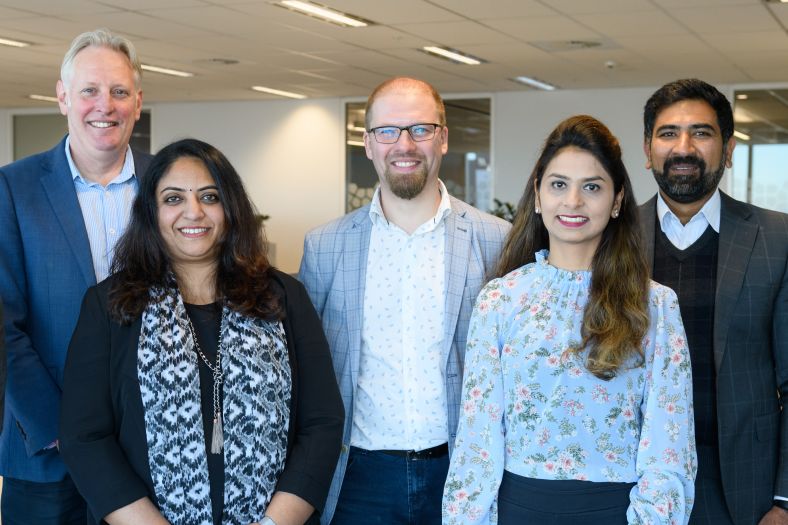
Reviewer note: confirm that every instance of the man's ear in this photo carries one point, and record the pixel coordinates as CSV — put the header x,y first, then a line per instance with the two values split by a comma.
x,y
729,147
62,97
647,151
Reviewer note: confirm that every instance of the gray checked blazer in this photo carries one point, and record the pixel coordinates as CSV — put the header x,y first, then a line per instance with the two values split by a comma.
x,y
750,353
333,270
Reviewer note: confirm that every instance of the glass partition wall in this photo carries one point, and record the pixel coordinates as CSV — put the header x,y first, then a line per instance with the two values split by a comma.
x,y
760,160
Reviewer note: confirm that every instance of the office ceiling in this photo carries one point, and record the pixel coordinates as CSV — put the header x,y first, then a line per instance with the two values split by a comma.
x,y
231,45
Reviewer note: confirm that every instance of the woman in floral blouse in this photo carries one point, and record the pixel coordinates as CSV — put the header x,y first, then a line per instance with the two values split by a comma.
x,y
577,396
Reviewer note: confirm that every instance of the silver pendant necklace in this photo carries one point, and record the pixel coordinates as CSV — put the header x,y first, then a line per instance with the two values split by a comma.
x,y
217,436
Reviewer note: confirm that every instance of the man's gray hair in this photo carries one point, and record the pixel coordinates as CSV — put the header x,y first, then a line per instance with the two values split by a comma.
x,y
100,38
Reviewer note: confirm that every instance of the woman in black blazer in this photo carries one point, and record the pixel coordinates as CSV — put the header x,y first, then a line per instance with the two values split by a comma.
x,y
198,387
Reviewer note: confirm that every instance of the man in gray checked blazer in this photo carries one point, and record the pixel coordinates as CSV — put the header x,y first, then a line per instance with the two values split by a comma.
x,y
728,263
394,283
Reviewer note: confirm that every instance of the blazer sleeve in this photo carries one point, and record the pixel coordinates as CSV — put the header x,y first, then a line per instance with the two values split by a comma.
x,y
88,434
317,436
33,394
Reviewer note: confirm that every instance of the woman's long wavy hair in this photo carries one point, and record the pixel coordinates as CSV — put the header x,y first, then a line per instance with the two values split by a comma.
x,y
141,261
616,317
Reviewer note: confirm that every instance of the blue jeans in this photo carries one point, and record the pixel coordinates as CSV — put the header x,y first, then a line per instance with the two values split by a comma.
x,y
33,503
390,490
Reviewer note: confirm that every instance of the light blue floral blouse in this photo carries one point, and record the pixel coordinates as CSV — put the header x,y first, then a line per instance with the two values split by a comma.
x,y
531,407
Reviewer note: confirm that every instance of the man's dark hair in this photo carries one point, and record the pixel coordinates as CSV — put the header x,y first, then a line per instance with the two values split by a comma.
x,y
688,89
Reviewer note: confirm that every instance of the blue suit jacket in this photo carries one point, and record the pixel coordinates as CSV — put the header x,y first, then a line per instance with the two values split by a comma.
x,y
334,272
750,353
45,268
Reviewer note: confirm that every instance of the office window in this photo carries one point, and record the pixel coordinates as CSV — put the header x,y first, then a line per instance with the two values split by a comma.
x,y
760,160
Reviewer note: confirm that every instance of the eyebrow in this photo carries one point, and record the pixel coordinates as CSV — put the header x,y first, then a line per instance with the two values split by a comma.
x,y
701,125
586,179
173,188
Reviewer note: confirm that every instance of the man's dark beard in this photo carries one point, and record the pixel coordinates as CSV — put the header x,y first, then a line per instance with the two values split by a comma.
x,y
688,188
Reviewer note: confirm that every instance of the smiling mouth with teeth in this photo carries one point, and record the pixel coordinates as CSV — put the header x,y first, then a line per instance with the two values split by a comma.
x,y
193,231
576,220
405,164
103,124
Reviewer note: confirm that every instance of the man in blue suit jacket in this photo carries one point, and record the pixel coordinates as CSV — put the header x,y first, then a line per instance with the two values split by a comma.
x,y
61,213
394,283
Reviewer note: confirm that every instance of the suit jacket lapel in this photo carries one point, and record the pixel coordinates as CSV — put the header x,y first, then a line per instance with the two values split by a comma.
x,y
457,254
737,237
354,262
648,220
58,186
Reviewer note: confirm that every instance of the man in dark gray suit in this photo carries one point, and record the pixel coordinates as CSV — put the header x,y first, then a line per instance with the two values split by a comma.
x,y
728,263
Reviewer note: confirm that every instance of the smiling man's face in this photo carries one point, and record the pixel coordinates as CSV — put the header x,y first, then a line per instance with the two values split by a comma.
x,y
406,167
101,101
686,152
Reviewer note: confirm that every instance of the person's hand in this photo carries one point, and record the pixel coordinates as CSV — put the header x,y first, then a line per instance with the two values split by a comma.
x,y
776,516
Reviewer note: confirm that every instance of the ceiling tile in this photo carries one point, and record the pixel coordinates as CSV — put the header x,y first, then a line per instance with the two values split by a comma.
x,y
456,33
726,19
542,28
644,23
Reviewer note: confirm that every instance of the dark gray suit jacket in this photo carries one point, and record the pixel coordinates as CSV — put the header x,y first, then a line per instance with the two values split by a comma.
x,y
750,353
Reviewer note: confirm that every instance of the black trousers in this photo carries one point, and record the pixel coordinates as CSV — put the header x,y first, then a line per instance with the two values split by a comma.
x,y
32,503
524,500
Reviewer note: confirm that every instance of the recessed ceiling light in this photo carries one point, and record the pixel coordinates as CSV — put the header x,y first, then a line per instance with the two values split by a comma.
x,y
279,92
324,13
535,83
740,135
452,55
43,98
742,96
13,43
166,71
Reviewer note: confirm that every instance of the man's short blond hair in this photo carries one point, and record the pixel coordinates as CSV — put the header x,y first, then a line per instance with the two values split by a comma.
x,y
100,38
405,83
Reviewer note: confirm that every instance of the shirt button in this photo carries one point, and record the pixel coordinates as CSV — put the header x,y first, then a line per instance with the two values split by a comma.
x,y
112,231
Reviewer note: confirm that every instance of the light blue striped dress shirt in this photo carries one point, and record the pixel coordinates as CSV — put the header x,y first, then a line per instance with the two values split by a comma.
x,y
105,210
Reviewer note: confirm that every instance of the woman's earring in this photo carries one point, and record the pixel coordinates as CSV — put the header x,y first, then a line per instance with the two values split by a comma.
x,y
615,214
537,210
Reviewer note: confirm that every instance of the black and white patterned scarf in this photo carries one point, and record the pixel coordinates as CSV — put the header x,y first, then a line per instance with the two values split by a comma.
x,y
255,411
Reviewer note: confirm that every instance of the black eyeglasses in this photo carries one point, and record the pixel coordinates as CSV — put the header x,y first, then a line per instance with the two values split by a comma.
x,y
417,132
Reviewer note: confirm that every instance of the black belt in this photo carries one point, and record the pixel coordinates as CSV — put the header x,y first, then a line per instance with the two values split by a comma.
x,y
427,453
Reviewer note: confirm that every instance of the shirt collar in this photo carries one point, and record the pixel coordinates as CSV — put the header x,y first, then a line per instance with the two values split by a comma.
x,y
710,211
126,172
444,208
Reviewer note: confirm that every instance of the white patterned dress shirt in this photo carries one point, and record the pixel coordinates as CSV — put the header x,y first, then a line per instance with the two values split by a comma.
x,y
400,400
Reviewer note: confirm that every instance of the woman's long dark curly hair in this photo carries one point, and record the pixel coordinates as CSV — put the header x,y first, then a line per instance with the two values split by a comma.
x,y
616,317
141,261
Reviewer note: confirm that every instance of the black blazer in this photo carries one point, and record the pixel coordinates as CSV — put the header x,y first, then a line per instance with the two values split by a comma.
x,y
750,353
102,427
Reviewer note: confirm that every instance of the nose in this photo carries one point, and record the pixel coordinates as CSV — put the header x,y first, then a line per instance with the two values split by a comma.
x,y
684,144
104,102
193,208
573,197
405,141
